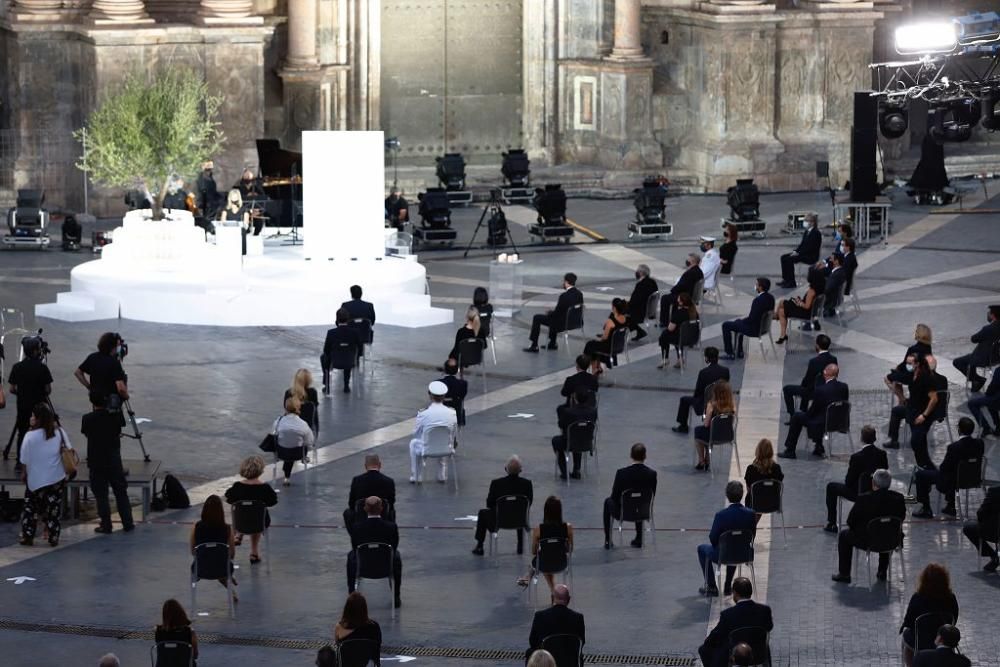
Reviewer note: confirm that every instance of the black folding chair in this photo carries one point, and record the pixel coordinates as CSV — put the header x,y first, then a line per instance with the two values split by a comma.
x,y
374,560
722,431
688,336
171,654
574,321
357,653
735,550
581,436
344,356
211,561
969,475
637,507
765,496
837,420
486,332
566,649
619,345
553,557
512,513
470,353
925,629
250,518
864,486
367,334
653,307
884,536
757,638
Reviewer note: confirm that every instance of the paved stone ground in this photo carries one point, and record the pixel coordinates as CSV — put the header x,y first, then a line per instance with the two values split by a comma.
x,y
211,392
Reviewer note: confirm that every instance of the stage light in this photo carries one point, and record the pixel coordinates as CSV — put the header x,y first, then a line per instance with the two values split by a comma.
x,y
393,144
953,121
991,111
926,38
744,200
551,205
27,221
893,119
516,168
650,202
435,209
979,29
451,171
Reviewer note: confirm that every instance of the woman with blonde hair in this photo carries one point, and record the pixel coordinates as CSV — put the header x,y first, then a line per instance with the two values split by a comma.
x,y
720,402
302,389
252,488
293,436
469,330
764,467
901,375
235,213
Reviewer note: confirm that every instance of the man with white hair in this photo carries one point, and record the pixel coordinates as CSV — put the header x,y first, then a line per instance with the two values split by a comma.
x,y
511,484
435,414
882,501
109,660
638,303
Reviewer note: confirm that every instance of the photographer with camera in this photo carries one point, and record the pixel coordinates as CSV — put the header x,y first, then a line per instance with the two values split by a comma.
x,y
104,458
102,371
31,382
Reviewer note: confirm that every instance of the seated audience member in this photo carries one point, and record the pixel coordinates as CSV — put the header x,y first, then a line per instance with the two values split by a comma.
x,y
555,320
355,624
541,658
799,308
720,402
990,400
862,465
850,263
727,251
175,626
303,390
358,308
552,526
933,596
814,419
762,304
710,261
711,373
511,484
458,389
582,408
763,468
212,528
745,613
558,619
685,311
918,409
634,477
742,656
807,251
844,233
370,483
945,652
109,660
882,501
252,488
812,377
638,303
986,527
342,333
685,285
582,378
985,340
945,477
435,414
326,657
836,282
733,517
293,436
373,528
600,349
900,375
481,302
468,330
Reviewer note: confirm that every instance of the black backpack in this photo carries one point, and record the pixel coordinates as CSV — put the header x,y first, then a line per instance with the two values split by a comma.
x,y
171,496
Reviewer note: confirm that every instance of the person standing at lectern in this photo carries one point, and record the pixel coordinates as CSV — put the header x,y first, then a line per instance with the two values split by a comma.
x,y
236,213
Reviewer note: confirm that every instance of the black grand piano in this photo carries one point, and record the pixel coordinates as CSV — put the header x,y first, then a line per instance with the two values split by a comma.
x,y
281,180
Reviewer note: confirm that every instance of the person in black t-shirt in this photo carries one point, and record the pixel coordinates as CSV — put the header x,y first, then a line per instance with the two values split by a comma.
x,y
101,372
104,458
31,382
919,408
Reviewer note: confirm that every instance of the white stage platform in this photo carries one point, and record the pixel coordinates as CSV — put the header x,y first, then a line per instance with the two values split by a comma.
x,y
166,272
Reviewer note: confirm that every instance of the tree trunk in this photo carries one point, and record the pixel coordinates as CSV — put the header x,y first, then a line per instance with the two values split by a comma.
x,y
156,206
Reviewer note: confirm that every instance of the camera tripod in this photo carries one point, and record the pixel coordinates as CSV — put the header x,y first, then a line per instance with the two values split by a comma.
x,y
136,434
492,209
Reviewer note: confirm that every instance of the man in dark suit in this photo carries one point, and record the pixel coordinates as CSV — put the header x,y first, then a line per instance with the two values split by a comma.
x,y
734,517
806,253
685,285
511,484
863,464
373,528
342,333
555,319
371,483
984,339
558,619
357,308
457,390
814,419
745,613
644,288
991,401
635,477
712,372
582,408
749,325
946,475
583,378
945,652
985,525
835,284
882,501
812,377
850,264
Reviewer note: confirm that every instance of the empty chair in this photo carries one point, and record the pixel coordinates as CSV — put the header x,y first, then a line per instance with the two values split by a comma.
x,y
637,507
697,293
716,294
512,513
470,353
374,560
439,443
884,536
765,497
940,413
837,420
566,649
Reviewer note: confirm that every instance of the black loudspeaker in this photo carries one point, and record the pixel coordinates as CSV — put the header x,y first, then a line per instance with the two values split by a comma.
x,y
822,169
864,135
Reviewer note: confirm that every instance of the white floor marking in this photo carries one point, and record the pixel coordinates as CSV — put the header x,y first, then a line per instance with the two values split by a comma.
x,y
894,287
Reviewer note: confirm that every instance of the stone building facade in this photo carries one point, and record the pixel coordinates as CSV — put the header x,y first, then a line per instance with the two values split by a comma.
x,y
702,90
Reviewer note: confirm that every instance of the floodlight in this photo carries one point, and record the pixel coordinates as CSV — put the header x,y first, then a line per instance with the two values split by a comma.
x,y
893,119
650,202
550,204
926,38
954,120
516,168
744,200
435,209
451,171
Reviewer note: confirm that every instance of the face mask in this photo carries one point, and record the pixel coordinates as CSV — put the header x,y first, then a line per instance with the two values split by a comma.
x,y
909,368
687,263
638,276
837,236
703,248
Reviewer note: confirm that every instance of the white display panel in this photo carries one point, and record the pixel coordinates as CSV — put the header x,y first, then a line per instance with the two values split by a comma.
x,y
343,193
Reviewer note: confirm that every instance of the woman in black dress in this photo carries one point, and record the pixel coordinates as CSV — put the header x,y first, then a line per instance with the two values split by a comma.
x,y
302,389
176,627
800,308
684,311
469,330
355,624
764,467
933,596
236,212
727,251
481,302
252,488
213,528
600,348
552,526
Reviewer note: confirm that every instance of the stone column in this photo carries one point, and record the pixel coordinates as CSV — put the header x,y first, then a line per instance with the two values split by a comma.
x,y
115,12
628,32
302,16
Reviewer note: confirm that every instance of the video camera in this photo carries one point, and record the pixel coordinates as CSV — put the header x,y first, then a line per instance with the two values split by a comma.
x,y
120,345
34,345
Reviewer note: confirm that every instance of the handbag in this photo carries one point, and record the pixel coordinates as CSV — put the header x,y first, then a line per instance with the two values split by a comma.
x,y
270,441
70,459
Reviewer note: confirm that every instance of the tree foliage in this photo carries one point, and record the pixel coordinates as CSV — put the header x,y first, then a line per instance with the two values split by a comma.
x,y
155,126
